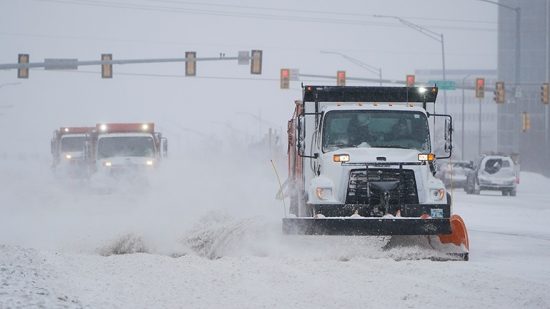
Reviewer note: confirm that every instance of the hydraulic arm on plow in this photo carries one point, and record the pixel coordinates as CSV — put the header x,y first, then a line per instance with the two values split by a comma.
x,y
361,163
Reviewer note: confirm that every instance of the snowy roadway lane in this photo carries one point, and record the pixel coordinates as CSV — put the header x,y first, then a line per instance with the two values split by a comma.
x,y
61,257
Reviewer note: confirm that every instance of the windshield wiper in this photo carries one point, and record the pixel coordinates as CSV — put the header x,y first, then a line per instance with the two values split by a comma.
x,y
340,146
391,146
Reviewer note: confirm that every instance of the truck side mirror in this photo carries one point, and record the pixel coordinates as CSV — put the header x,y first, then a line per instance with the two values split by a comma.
x,y
52,147
87,149
300,143
448,135
446,146
164,147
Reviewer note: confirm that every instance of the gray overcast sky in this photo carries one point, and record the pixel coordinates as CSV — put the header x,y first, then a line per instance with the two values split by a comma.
x,y
291,34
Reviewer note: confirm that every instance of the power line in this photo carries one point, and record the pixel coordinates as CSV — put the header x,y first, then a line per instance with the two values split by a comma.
x,y
315,11
307,78
173,75
262,16
286,48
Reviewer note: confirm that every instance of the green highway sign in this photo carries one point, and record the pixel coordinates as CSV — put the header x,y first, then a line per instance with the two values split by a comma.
x,y
444,84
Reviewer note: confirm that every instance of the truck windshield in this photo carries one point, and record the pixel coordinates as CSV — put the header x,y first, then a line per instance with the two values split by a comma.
x,y
72,143
382,129
125,146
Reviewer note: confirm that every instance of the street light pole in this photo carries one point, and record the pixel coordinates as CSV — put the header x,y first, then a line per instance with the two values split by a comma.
x,y
434,36
358,62
479,131
547,115
463,114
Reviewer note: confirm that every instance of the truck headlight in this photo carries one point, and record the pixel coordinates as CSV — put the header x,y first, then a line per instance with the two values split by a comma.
x,y
107,163
149,162
340,158
323,193
437,194
68,156
426,157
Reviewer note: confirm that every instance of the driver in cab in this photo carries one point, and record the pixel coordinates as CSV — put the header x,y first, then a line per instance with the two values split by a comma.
x,y
400,130
360,133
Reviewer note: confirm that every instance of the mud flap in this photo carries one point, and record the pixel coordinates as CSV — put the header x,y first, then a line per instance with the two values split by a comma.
x,y
366,226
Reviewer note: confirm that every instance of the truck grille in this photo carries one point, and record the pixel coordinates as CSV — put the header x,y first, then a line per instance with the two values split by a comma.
x,y
360,193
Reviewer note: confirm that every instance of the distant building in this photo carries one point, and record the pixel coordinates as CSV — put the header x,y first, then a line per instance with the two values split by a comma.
x,y
533,145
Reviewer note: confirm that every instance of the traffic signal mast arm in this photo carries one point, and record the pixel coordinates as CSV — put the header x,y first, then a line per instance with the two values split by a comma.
x,y
45,64
23,65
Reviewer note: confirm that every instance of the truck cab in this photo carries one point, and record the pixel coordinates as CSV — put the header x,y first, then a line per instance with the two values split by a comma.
x,y
125,148
351,136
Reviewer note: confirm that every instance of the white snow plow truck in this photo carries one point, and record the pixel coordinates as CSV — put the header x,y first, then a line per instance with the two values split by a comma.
x,y
124,148
361,163
67,148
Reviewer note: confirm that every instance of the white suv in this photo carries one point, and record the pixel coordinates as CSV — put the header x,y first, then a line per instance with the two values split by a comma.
x,y
493,172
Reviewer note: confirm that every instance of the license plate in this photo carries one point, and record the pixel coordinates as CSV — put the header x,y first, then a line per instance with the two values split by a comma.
x,y
436,213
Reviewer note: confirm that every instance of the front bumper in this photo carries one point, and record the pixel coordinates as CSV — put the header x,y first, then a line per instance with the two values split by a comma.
x,y
365,210
366,226
497,185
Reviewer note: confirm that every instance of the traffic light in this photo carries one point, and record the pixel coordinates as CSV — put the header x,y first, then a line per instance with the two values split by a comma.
x,y
285,78
525,122
410,80
499,92
106,68
545,93
23,72
256,63
190,63
480,88
341,78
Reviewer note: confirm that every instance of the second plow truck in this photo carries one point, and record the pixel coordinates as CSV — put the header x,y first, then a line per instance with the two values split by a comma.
x,y
119,149
67,147
361,163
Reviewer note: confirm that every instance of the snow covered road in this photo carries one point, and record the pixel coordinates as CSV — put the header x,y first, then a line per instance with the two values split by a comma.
x,y
227,251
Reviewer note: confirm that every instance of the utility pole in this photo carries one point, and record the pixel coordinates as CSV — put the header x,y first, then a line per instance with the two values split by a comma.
x,y
463,115
547,115
479,130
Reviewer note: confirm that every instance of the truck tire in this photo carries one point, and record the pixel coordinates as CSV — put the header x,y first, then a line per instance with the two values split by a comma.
x,y
304,210
476,189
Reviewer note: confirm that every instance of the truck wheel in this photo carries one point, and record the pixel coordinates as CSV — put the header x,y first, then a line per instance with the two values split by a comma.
x,y
468,188
293,205
513,192
306,210
505,192
477,189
